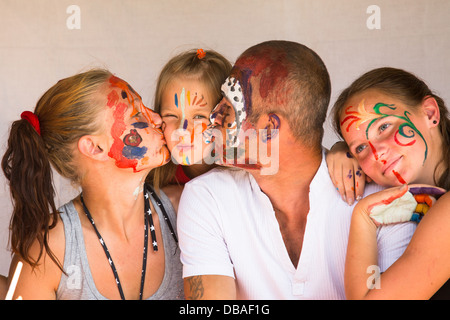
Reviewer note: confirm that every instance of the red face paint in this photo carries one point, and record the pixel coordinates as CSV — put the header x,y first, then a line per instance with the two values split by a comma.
x,y
399,177
119,126
374,151
402,144
375,154
113,97
129,93
117,129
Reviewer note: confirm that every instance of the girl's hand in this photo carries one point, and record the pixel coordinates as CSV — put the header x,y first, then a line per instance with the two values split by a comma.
x,y
399,204
345,172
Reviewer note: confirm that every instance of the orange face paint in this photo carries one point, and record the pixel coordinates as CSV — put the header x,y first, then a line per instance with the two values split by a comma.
x,y
129,93
120,102
117,129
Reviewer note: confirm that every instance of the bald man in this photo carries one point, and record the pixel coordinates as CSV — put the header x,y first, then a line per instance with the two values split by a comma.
x,y
276,227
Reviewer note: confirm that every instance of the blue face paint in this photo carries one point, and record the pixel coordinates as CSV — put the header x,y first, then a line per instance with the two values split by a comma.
x,y
132,141
140,125
131,152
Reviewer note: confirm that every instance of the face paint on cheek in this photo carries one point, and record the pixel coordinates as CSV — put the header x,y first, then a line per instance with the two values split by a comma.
x,y
361,115
113,97
374,151
128,93
117,148
232,90
401,132
140,125
132,139
126,152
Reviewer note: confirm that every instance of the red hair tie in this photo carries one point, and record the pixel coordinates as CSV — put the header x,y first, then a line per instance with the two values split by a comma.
x,y
200,53
32,119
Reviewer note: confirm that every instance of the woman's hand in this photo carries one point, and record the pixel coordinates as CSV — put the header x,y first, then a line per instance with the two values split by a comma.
x,y
345,172
399,204
424,266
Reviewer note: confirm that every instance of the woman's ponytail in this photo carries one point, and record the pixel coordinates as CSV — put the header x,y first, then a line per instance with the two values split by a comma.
x,y
27,168
46,140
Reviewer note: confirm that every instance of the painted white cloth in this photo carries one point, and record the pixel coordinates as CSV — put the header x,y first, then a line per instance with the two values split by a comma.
x,y
227,226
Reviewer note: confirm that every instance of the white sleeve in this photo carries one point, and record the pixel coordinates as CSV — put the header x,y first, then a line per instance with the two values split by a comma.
x,y
392,241
199,222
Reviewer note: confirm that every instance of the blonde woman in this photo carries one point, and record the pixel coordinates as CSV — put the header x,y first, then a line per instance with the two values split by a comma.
x,y
116,240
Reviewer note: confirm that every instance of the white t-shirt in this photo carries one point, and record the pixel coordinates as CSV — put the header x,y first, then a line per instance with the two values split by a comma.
x,y
227,226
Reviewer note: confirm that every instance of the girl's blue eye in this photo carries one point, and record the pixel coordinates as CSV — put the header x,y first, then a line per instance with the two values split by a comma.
x,y
360,148
384,126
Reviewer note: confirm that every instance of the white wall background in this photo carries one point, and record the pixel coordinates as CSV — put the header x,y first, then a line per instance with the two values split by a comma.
x,y
134,38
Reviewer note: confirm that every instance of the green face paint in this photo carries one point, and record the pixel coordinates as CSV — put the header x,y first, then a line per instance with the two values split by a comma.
x,y
361,115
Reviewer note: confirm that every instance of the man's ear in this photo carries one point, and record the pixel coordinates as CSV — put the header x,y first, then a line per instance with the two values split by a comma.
x,y
93,147
272,126
431,109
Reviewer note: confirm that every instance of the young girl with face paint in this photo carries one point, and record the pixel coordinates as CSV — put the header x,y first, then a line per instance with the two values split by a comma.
x,y
399,132
116,240
188,88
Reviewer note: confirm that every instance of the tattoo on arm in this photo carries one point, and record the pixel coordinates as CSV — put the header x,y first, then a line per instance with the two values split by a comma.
x,y
195,287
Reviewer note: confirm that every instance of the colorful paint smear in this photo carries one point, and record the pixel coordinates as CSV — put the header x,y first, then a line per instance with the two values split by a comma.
x,y
361,115
269,68
129,93
183,101
399,177
126,151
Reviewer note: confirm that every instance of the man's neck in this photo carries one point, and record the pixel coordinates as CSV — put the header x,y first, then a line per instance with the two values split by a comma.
x,y
288,189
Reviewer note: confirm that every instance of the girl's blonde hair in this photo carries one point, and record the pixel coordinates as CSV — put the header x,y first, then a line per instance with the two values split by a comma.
x,y
211,68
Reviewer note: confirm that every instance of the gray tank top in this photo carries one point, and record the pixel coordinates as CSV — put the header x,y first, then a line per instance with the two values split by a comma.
x,y
78,284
